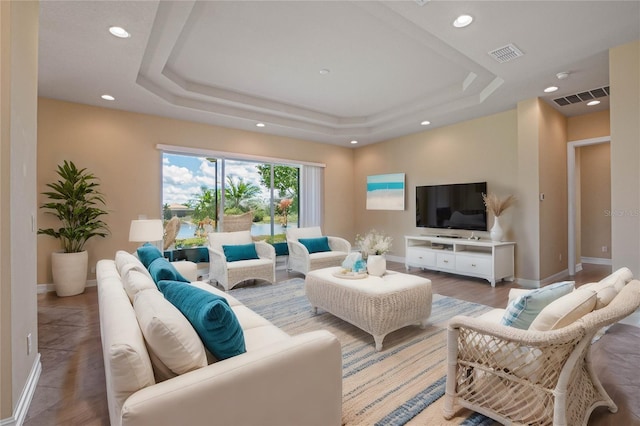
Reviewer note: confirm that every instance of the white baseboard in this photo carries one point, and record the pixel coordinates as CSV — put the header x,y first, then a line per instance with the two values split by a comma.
x,y
539,283
45,288
596,260
26,396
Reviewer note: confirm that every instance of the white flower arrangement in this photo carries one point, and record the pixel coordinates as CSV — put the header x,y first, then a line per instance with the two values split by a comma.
x,y
373,243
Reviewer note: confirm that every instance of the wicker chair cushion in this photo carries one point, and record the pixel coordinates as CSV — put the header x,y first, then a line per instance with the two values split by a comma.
x,y
521,312
605,290
618,278
315,245
238,252
564,310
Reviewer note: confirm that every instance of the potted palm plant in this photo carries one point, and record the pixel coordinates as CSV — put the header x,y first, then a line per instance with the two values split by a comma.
x,y
75,200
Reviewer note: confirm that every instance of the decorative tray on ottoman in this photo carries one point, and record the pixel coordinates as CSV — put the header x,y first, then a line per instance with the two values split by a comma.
x,y
349,275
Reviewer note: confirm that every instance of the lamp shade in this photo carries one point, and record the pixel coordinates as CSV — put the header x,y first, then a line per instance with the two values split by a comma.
x,y
146,230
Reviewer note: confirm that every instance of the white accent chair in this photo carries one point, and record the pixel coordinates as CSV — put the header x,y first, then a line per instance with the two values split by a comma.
x,y
229,274
517,376
301,260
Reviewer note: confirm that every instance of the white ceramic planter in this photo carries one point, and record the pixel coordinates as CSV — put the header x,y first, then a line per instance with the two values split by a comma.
x,y
69,272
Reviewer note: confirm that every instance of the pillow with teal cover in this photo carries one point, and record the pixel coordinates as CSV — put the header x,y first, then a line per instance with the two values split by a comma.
x,y
521,312
210,315
147,253
161,269
315,245
233,253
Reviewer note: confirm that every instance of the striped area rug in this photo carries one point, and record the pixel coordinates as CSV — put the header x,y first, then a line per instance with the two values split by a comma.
x,y
402,384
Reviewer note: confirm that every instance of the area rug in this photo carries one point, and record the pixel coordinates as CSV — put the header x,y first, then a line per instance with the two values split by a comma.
x,y
402,384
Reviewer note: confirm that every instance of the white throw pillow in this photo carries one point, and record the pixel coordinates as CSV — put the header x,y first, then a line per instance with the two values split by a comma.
x,y
125,261
135,281
127,361
564,310
168,333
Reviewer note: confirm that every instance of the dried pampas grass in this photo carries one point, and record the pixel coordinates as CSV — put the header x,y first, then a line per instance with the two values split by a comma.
x,y
497,205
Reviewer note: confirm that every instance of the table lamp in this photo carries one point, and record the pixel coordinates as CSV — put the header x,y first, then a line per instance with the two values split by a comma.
x,y
146,230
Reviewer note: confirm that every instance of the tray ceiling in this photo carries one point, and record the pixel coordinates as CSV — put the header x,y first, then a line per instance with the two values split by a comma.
x,y
327,71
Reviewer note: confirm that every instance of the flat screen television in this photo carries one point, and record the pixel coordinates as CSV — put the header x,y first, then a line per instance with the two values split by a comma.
x,y
452,206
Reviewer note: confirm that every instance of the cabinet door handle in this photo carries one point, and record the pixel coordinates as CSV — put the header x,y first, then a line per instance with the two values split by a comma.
x,y
473,264
446,261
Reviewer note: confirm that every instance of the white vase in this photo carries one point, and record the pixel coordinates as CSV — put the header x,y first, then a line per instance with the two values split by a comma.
x,y
497,234
376,265
69,272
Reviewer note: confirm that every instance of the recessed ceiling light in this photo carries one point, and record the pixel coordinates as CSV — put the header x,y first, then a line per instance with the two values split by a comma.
x,y
260,125
592,103
325,71
550,89
354,142
119,32
462,21
108,98
425,123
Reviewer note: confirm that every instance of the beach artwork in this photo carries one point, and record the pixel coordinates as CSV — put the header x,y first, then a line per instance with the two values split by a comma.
x,y
385,192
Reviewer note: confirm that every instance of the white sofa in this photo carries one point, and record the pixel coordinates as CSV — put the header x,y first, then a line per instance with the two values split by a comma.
x,y
279,380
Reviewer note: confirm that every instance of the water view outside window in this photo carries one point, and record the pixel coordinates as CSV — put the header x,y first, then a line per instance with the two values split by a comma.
x,y
203,194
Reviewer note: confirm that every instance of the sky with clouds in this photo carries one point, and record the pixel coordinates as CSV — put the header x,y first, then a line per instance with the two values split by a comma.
x,y
183,175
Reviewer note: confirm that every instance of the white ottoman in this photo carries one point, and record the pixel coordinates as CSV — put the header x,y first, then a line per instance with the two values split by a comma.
x,y
377,305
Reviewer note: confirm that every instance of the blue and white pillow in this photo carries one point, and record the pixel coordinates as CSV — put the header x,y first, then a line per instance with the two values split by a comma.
x,y
521,312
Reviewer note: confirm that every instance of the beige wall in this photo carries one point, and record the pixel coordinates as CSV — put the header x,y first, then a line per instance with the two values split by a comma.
x,y
624,72
528,208
18,118
484,149
552,171
588,126
595,193
120,148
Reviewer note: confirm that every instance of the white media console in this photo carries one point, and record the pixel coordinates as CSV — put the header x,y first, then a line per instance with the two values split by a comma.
x,y
486,259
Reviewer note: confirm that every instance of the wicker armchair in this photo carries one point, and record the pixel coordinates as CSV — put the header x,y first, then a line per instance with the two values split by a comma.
x,y
229,274
530,377
302,261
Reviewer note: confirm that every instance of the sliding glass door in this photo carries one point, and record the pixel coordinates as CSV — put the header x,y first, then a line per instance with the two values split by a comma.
x,y
206,194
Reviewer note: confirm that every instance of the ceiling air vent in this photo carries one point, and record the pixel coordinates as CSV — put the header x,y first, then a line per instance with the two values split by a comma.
x,y
506,53
582,96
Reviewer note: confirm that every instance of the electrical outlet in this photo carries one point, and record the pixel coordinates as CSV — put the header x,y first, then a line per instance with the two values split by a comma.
x,y
29,344
605,249
560,257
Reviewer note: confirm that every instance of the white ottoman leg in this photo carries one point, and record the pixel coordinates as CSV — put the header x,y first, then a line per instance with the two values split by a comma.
x,y
378,339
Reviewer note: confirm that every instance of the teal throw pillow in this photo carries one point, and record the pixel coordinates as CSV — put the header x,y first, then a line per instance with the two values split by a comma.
x,y
161,269
147,253
521,312
233,253
210,315
315,245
